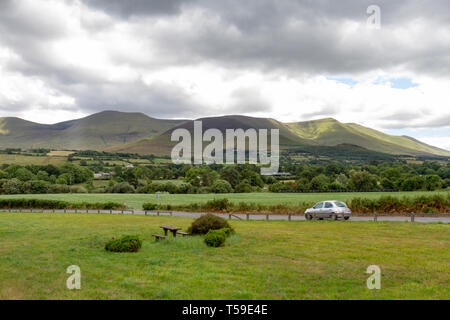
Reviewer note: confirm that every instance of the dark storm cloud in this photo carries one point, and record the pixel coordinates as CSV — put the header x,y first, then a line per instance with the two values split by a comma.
x,y
128,8
289,37
307,36
158,100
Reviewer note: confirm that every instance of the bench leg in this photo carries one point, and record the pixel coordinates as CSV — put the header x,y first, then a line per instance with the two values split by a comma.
x,y
165,232
174,234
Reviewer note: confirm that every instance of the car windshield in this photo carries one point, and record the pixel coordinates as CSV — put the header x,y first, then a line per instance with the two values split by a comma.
x,y
340,204
318,205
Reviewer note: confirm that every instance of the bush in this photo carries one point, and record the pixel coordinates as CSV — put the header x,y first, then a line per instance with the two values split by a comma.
x,y
206,223
221,186
215,238
226,231
55,204
129,243
149,206
218,205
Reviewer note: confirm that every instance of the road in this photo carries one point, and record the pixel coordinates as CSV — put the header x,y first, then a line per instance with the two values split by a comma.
x,y
443,219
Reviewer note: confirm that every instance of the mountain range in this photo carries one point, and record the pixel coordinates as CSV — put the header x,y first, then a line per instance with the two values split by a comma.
x,y
115,131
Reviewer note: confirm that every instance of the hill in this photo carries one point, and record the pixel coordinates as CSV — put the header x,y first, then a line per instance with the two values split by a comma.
x,y
138,133
308,135
98,131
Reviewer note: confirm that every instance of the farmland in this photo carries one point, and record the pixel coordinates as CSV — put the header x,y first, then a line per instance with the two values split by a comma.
x,y
283,260
24,160
135,201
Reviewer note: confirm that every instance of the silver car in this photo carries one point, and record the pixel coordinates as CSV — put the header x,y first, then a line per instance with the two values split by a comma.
x,y
331,209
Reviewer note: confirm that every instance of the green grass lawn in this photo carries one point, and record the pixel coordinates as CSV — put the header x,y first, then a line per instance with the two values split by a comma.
x,y
263,260
135,201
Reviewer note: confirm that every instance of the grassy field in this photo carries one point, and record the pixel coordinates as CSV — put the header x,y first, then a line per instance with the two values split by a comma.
x,y
60,153
283,260
23,160
135,201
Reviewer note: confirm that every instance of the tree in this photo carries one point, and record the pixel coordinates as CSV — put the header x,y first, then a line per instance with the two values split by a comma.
x,y
24,175
432,182
231,175
243,187
42,175
362,180
221,186
12,186
319,183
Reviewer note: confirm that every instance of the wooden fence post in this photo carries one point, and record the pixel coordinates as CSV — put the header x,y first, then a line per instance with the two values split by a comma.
x,y
412,217
289,216
248,216
157,213
229,216
375,217
267,217
145,212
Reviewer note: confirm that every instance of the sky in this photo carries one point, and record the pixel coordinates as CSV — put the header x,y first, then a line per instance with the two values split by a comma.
x,y
292,60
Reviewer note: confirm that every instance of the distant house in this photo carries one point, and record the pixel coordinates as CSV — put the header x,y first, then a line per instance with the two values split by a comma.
x,y
129,166
100,175
279,174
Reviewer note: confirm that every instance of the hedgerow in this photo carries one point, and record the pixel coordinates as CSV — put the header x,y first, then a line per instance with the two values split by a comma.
x,y
56,204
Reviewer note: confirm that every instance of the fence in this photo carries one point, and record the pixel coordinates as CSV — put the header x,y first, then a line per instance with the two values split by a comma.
x,y
237,216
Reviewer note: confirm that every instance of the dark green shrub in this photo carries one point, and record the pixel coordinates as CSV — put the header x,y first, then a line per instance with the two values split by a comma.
x,y
149,206
215,238
221,186
206,223
129,243
55,204
226,231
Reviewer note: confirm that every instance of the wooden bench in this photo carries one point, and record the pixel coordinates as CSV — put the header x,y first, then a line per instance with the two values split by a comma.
x,y
174,230
159,236
184,234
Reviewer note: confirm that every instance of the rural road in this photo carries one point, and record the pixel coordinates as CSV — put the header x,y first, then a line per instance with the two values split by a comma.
x,y
241,216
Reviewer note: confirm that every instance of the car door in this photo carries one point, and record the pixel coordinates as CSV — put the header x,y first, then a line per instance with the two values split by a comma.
x,y
317,209
327,209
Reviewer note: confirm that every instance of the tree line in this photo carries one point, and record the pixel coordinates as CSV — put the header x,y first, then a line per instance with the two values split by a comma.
x,y
69,177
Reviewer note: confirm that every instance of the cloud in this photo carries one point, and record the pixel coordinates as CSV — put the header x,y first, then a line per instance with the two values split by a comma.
x,y
126,9
291,60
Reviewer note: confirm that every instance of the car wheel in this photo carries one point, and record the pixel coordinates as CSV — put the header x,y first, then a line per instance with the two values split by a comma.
x,y
308,217
346,218
334,216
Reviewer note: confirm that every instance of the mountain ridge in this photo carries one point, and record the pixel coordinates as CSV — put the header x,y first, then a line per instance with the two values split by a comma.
x,y
136,132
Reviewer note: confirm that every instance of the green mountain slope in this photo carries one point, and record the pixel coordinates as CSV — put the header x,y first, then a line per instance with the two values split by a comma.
x,y
137,133
98,131
318,133
330,132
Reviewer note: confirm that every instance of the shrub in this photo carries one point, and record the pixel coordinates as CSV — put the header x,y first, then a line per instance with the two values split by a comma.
x,y
55,204
221,186
206,223
215,238
218,204
226,231
149,206
129,243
